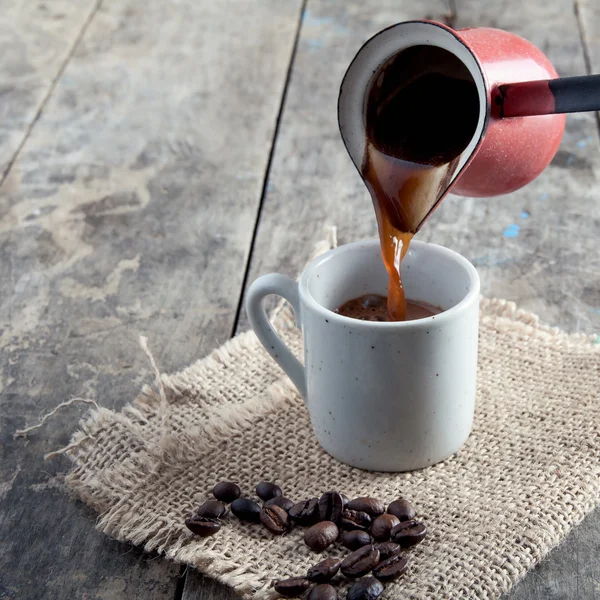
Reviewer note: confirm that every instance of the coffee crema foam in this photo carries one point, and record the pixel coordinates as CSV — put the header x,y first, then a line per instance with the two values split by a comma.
x,y
373,307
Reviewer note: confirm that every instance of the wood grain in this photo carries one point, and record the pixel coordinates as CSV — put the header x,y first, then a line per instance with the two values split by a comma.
x,y
588,16
129,210
589,20
36,40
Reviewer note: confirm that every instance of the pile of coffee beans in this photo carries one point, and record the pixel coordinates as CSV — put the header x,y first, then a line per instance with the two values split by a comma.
x,y
375,534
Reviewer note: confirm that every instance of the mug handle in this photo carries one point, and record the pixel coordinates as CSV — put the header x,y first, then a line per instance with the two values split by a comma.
x,y
286,288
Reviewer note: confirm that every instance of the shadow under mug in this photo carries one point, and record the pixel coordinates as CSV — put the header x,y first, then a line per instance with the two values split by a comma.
x,y
382,396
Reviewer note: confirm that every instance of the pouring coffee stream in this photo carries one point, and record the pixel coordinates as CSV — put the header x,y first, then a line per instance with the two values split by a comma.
x,y
429,117
412,149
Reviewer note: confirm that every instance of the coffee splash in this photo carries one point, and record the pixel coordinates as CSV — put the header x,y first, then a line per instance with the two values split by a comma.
x,y
422,111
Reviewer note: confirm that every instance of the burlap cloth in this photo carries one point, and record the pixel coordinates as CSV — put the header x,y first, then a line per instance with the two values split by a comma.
x,y
529,472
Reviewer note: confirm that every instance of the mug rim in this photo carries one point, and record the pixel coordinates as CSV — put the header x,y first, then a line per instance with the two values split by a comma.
x,y
450,314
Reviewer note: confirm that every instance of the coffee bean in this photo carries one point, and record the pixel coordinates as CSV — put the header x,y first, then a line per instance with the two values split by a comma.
x,y
409,533
355,519
323,591
226,491
285,503
360,562
212,509
305,512
402,509
353,540
321,536
331,505
382,527
391,569
275,519
387,549
246,510
324,571
345,500
367,588
266,490
295,586
202,526
372,506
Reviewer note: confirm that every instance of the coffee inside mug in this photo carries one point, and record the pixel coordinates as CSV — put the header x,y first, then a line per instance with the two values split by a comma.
x,y
441,279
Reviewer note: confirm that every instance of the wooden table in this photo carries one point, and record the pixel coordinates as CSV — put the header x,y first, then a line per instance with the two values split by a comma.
x,y
156,157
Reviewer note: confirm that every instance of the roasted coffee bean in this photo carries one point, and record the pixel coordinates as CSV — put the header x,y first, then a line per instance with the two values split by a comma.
x,y
355,519
331,506
321,535
372,506
285,503
345,500
295,586
360,562
246,510
409,533
226,491
275,519
305,512
266,490
402,509
391,569
202,526
212,509
353,540
323,591
367,588
387,550
382,527
324,571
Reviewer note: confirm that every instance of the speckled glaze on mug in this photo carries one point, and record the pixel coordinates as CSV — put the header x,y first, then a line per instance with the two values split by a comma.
x,y
381,396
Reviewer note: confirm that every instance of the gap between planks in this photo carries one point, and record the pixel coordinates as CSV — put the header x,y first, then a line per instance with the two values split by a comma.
x,y
585,49
51,88
263,193
180,588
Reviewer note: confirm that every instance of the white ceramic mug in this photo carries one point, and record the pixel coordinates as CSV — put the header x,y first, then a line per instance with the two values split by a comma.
x,y
381,396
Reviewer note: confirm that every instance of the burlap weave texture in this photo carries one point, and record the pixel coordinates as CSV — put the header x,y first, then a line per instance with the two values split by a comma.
x,y
529,472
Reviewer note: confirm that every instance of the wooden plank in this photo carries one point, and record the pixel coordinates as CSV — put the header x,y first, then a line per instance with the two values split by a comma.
x,y
551,266
198,587
588,15
589,21
130,210
36,40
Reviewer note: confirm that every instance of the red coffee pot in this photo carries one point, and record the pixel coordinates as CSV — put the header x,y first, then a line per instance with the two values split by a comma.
x,y
514,80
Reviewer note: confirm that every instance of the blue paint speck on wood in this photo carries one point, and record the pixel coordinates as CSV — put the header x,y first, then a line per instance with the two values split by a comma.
x,y
570,160
314,44
512,231
544,196
310,20
524,215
